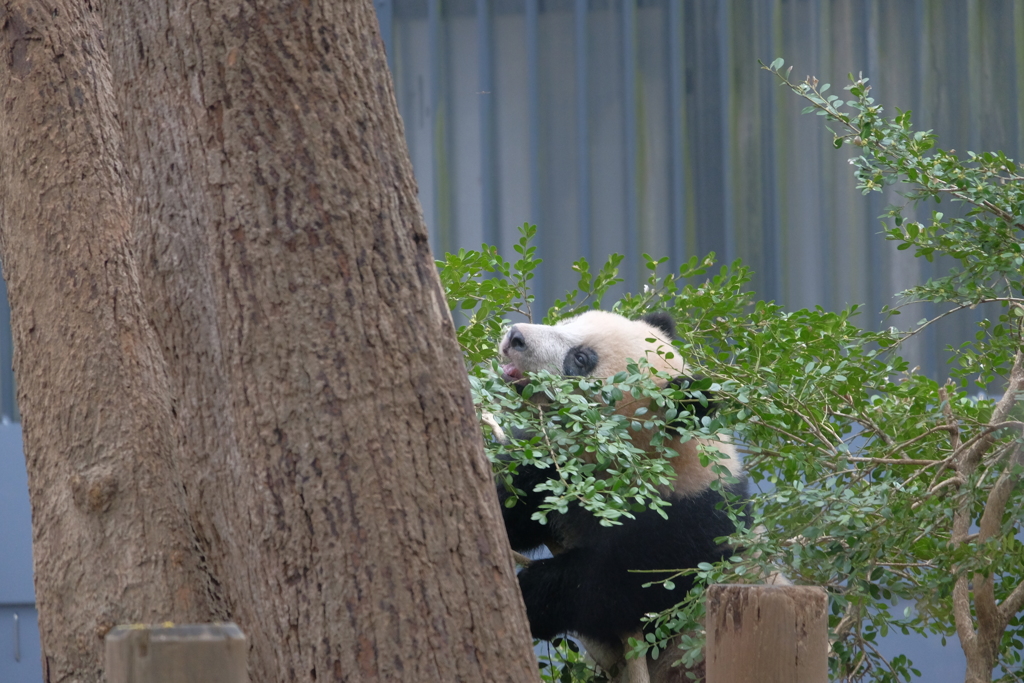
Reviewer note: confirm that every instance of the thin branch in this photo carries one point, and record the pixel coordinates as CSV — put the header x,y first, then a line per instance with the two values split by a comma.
x,y
995,210
888,159
879,655
955,479
797,439
991,525
814,429
1007,672
1013,602
898,461
940,316
947,411
999,413
851,617
969,452
865,422
928,432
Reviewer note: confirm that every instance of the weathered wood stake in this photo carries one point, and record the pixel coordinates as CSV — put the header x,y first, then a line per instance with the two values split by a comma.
x,y
187,653
767,634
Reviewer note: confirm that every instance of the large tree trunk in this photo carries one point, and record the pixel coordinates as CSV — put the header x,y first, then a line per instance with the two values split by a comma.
x,y
110,541
302,456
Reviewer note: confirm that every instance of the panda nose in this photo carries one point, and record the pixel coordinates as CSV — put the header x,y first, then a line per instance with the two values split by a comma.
x,y
516,340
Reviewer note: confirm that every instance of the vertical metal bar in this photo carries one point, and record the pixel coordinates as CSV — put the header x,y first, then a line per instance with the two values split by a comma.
x,y
630,262
766,20
385,18
533,107
728,120
1018,45
932,362
677,75
879,276
441,231
17,638
975,66
488,184
582,129
826,254
533,97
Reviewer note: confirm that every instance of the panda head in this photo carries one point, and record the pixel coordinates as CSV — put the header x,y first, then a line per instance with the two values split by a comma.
x,y
592,344
599,344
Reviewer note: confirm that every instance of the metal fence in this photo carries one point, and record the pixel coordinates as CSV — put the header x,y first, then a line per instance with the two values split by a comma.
x,y
636,126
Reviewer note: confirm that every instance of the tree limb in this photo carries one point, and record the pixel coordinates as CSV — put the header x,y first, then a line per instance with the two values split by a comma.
x,y
1013,603
997,501
990,617
999,413
947,411
962,616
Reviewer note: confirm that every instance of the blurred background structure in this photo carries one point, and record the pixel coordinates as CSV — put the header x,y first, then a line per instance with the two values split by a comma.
x,y
646,126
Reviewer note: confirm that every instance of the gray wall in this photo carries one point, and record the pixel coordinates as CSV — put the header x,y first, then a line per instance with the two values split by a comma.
x,y
19,632
647,126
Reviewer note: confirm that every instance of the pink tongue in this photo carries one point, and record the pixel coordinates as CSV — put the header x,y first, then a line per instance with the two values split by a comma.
x,y
512,371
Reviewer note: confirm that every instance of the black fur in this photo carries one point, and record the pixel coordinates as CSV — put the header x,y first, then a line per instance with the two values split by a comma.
x,y
588,588
699,402
662,321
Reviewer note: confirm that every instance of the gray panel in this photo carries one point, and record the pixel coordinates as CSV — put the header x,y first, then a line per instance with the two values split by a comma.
x,y
636,126
385,14
581,16
512,121
705,74
804,273
464,138
20,654
15,521
558,235
611,182
653,137
486,97
19,628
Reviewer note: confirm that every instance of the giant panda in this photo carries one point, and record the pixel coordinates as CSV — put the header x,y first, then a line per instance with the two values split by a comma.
x,y
587,588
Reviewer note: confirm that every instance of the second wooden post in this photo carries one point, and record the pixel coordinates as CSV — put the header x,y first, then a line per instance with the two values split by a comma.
x,y
767,634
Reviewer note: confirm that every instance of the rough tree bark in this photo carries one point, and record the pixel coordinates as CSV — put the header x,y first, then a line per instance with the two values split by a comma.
x,y
109,533
240,388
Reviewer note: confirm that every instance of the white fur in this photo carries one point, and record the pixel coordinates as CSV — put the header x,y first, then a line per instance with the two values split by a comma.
x,y
617,340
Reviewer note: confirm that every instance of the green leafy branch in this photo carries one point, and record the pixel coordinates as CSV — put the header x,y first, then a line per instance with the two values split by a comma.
x,y
986,239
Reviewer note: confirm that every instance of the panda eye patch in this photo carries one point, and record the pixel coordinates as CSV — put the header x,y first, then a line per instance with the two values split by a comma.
x,y
579,362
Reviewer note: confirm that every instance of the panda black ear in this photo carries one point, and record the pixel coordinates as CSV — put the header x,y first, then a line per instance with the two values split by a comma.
x,y
661,321
699,402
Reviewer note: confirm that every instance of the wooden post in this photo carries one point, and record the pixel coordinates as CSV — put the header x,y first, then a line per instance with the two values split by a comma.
x,y
767,634
187,653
